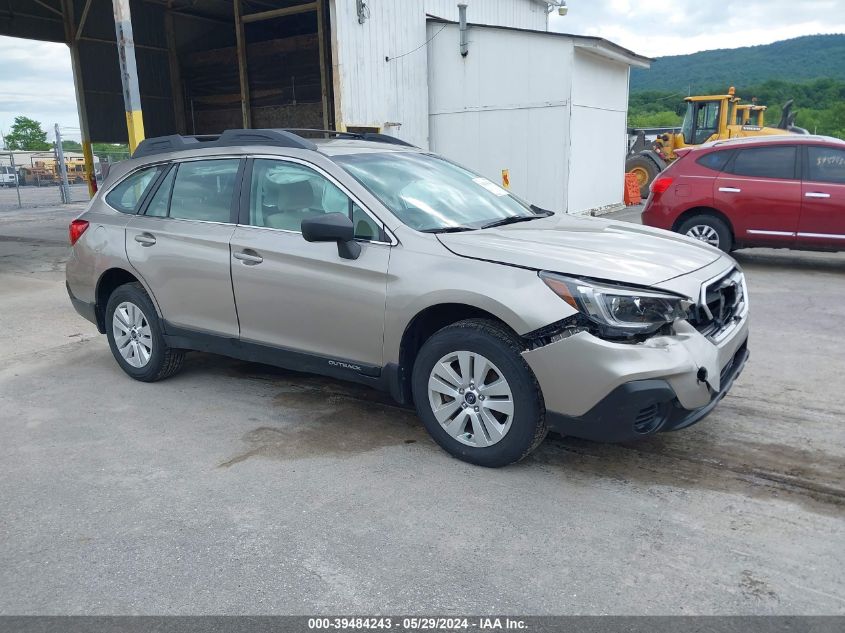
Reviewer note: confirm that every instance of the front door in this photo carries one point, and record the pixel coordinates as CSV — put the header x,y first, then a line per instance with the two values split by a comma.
x,y
822,221
761,194
302,296
180,245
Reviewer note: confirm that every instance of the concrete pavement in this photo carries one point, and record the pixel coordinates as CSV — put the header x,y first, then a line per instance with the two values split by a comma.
x,y
235,488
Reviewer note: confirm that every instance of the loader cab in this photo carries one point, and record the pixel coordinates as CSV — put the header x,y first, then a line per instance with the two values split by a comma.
x,y
750,115
705,117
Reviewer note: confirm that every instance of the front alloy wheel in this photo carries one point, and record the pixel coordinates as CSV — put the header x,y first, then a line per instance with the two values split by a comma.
x,y
471,398
476,395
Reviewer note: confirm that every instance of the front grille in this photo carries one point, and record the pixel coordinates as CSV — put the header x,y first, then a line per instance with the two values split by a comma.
x,y
722,303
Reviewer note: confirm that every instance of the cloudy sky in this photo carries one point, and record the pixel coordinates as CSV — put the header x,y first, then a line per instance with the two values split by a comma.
x,y
674,27
35,77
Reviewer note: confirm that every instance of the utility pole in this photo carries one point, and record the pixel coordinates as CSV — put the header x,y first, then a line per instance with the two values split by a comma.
x,y
128,72
64,187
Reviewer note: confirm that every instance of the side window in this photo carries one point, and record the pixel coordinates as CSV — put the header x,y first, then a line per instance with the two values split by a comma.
x,y
715,160
765,162
826,165
159,202
283,194
203,190
126,196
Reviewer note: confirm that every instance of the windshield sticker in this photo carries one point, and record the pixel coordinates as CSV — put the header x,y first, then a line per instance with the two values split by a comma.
x,y
490,186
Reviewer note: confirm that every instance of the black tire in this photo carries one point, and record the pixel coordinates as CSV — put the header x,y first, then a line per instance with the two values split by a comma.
x,y
643,165
726,241
164,361
498,344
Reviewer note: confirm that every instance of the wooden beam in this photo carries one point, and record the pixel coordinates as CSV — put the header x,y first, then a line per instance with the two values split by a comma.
x,y
48,7
82,19
240,38
280,13
100,40
216,56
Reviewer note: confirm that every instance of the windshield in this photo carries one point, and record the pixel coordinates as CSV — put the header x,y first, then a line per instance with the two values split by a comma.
x,y
431,194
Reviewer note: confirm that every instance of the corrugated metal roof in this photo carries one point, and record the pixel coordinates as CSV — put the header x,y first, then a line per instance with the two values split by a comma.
x,y
634,57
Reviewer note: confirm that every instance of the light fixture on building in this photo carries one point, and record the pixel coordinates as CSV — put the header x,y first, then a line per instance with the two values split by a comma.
x,y
562,9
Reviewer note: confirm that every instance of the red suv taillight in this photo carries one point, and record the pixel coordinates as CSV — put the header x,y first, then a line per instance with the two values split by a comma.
x,y
76,229
661,184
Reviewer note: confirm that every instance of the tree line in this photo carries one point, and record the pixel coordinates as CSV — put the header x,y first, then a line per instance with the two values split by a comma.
x,y
28,134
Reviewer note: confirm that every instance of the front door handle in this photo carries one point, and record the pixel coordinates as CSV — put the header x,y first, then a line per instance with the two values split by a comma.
x,y
816,194
730,190
248,257
145,239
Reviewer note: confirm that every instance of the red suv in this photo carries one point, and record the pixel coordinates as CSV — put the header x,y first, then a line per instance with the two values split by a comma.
x,y
777,191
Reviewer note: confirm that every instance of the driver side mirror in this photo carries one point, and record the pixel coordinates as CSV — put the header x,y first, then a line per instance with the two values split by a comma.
x,y
333,227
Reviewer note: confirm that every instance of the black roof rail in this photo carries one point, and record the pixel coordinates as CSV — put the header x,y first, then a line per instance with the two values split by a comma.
x,y
302,131
229,138
364,136
287,137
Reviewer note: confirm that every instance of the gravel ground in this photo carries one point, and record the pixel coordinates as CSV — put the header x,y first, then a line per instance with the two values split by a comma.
x,y
235,488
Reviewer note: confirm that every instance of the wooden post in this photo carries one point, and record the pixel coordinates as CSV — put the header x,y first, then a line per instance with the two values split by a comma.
x,y
72,35
321,39
175,72
242,68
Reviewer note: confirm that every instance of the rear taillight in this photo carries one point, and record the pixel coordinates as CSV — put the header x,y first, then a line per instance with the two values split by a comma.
x,y
661,184
76,229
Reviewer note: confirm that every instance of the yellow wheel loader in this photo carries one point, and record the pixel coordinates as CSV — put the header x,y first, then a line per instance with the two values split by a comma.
x,y
708,118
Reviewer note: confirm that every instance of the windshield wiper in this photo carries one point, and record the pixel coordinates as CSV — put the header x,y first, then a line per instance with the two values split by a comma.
x,y
450,229
516,218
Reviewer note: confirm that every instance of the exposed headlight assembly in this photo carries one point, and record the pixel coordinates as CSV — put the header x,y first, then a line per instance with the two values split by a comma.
x,y
618,311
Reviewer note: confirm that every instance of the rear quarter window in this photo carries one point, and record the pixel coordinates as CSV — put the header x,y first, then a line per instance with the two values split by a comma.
x,y
126,196
715,160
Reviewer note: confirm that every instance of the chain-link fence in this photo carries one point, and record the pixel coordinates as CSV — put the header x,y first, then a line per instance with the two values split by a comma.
x,y
34,178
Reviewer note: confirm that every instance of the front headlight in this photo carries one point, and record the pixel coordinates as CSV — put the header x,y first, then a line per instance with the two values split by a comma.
x,y
618,310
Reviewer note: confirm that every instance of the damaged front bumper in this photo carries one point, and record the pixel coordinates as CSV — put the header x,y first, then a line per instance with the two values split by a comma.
x,y
615,392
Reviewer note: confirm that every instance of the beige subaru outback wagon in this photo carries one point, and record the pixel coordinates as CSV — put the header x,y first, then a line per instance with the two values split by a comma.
x,y
365,259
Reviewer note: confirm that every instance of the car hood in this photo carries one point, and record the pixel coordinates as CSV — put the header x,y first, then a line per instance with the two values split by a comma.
x,y
586,247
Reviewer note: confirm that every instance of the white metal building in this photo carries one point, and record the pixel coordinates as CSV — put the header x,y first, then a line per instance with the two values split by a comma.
x,y
549,108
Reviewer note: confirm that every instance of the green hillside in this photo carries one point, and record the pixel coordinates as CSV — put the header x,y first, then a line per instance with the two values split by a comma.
x,y
810,70
796,60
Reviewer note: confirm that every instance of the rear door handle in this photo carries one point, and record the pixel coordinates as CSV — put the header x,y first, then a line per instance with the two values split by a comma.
x,y
145,239
730,190
816,194
248,257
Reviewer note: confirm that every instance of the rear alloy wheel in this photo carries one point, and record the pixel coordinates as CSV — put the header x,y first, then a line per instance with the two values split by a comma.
x,y
135,336
708,229
132,335
477,396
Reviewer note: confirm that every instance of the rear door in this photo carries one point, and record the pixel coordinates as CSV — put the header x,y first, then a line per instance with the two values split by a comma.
x,y
822,221
180,245
302,296
760,192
